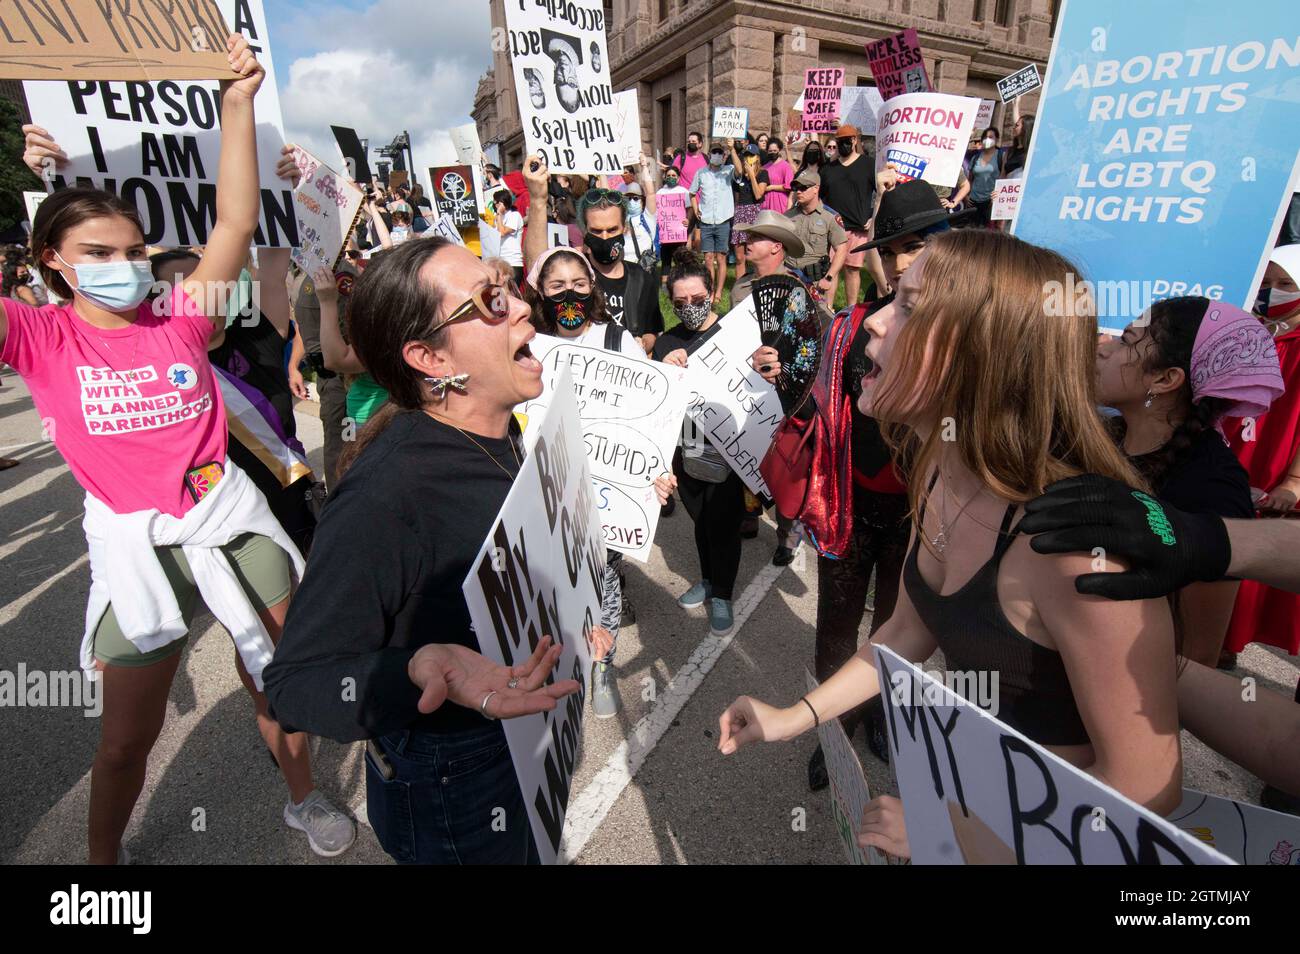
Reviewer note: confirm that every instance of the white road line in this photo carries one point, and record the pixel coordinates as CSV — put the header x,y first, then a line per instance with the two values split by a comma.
x,y
9,612
588,810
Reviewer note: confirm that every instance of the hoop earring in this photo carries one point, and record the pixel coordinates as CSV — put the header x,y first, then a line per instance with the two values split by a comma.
x,y
439,385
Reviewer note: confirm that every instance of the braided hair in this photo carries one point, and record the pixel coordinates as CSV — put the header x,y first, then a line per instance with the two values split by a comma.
x,y
1173,328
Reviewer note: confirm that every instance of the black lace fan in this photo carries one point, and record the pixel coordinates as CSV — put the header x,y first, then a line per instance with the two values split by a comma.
x,y
787,321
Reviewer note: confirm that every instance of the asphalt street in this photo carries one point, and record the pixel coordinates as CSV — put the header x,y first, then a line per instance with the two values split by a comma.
x,y
650,786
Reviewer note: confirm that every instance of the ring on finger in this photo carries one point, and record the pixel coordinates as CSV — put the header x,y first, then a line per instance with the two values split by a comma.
x,y
513,684
483,705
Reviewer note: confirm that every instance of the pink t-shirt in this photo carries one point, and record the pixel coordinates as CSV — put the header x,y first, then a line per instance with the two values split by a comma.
x,y
779,173
687,165
130,409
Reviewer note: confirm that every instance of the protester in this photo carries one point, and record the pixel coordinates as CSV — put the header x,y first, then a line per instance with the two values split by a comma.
x,y
401,228
1173,375
692,161
671,186
641,239
848,187
711,491
1092,681
746,203
1023,131
825,245
16,283
774,194
812,158
714,206
421,488
567,304
168,514
509,225
983,167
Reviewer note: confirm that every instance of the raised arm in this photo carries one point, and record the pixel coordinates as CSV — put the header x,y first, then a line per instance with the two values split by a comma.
x,y
339,356
647,186
238,196
537,178
272,276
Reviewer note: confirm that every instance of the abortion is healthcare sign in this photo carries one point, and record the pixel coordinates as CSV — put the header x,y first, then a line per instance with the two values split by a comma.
x,y
1166,148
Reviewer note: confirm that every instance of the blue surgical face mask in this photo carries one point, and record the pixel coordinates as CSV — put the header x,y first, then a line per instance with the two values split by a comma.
x,y
633,206
113,286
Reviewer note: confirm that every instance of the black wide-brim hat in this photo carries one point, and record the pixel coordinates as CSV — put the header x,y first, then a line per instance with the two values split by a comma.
x,y
910,207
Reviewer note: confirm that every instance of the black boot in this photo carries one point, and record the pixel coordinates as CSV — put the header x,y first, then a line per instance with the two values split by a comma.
x,y
877,731
818,778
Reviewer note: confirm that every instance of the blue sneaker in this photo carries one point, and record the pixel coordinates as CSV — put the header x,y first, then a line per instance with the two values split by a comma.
x,y
696,595
720,618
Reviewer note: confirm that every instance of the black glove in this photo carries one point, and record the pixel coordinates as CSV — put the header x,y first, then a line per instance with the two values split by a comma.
x,y
1166,549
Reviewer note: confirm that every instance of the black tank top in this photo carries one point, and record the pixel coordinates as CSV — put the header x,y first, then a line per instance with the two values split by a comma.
x,y
975,635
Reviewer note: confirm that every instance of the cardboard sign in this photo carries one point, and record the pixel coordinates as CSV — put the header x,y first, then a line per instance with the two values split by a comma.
x,y
353,154
1124,159
1019,83
561,69
327,206
445,226
122,41
556,235
730,403
1006,199
672,217
976,791
469,152
730,122
925,136
984,117
453,194
821,99
541,572
398,177
627,126
849,791
631,411
897,65
157,145
859,106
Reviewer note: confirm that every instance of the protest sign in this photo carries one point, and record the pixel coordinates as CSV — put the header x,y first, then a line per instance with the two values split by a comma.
x,y
849,791
821,99
631,411
627,127
33,200
1019,83
1247,834
557,53
156,145
557,235
398,177
353,154
99,41
859,106
976,791
984,117
898,65
730,122
445,227
327,205
453,194
1160,148
469,152
1006,199
737,411
541,572
671,213
925,136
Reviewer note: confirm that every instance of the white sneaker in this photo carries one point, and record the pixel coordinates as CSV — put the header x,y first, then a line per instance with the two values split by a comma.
x,y
329,831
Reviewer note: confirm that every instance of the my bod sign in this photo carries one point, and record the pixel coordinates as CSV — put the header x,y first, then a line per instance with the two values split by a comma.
x,y
631,412
156,145
557,52
541,572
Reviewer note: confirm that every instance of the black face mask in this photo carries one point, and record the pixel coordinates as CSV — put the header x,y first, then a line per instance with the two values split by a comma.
x,y
568,310
606,251
691,147
812,157
773,156
845,149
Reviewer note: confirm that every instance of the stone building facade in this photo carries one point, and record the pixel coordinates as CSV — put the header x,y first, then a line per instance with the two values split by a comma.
x,y
686,56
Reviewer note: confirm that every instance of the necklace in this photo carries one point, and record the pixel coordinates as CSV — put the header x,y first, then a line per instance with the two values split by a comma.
x,y
940,539
518,463
1278,328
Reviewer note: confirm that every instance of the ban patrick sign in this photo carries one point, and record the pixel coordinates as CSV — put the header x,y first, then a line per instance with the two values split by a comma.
x,y
541,572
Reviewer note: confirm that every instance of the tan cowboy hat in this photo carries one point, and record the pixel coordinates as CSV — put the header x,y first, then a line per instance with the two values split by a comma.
x,y
774,225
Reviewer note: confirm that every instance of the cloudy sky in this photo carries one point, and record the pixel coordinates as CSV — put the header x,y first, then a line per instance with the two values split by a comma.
x,y
379,66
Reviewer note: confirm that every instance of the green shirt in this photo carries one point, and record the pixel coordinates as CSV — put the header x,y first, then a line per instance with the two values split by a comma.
x,y
364,398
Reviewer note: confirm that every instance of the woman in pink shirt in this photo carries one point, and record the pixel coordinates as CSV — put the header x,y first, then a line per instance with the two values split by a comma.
x,y
132,405
776,194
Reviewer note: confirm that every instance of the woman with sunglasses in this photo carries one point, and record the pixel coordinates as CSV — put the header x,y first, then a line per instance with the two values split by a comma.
x,y
380,646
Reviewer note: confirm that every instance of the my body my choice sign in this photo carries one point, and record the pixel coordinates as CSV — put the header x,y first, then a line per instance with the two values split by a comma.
x,y
1163,169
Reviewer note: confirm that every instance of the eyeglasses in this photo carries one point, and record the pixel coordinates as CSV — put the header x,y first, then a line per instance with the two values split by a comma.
x,y
492,302
683,302
582,286
595,196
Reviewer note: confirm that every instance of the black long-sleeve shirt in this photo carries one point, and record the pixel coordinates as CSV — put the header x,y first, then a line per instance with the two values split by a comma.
x,y
395,543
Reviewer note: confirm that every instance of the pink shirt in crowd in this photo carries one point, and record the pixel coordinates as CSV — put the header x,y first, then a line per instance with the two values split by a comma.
x,y
130,409
687,165
779,173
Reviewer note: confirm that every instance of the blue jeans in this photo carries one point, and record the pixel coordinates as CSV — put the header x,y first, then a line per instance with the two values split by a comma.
x,y
441,806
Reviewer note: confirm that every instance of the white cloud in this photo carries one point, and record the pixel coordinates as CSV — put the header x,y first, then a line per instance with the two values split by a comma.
x,y
398,65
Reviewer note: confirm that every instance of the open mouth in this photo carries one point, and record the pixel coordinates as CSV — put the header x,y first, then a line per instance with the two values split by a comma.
x,y
873,372
524,358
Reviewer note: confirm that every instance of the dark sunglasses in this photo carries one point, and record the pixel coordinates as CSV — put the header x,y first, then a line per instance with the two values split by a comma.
x,y
603,195
492,302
